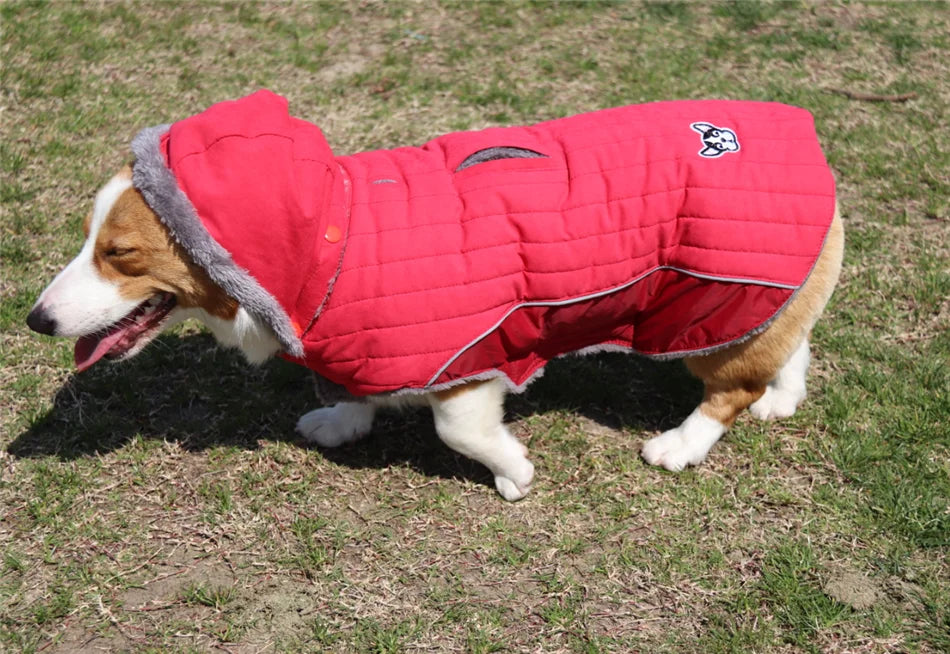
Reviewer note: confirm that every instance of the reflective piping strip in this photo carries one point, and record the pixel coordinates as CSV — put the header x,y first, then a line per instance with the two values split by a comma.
x,y
732,280
594,296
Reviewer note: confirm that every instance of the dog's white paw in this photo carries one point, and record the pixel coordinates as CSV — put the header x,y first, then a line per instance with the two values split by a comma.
x,y
518,482
671,450
336,425
687,445
776,403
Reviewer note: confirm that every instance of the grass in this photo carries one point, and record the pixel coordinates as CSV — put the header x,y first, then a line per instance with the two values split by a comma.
x,y
164,505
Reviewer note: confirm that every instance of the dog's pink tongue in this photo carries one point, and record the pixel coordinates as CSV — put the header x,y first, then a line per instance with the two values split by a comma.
x,y
90,349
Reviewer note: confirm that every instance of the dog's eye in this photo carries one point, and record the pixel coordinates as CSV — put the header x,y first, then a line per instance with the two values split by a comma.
x,y
118,252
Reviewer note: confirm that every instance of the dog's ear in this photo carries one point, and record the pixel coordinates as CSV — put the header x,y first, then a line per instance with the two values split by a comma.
x,y
702,128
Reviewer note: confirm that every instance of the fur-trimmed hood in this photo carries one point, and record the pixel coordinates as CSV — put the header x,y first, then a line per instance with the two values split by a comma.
x,y
245,188
669,228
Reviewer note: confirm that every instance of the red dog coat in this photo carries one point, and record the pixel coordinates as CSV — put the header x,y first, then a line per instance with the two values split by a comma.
x,y
670,228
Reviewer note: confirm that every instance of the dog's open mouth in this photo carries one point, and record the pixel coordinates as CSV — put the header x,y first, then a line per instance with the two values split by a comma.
x,y
126,336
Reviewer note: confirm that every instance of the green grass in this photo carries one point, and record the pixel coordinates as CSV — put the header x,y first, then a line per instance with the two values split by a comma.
x,y
164,505
200,594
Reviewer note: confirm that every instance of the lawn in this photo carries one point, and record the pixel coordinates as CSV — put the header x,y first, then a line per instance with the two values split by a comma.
x,y
165,505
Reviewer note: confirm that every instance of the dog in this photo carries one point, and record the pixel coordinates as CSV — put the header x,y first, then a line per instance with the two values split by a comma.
x,y
450,274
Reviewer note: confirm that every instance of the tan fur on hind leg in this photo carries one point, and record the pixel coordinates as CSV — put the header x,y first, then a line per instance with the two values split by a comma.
x,y
765,372
759,359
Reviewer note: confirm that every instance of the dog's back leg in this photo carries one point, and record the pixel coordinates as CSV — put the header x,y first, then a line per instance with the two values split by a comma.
x,y
765,373
689,443
787,389
468,418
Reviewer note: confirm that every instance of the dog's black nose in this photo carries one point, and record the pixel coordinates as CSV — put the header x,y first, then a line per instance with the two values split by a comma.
x,y
40,321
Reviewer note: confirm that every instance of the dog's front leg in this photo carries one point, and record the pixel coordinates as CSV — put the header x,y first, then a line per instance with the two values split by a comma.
x,y
468,419
341,423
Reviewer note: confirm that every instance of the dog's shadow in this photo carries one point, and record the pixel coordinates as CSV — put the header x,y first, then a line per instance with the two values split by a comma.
x,y
186,390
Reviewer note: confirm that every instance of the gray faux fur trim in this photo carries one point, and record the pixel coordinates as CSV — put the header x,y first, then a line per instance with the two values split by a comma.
x,y
157,184
502,152
482,376
329,393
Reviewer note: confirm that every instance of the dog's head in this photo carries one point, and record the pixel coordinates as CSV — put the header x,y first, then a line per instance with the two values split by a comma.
x,y
130,281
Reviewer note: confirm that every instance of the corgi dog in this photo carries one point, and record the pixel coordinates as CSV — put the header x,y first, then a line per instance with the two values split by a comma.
x,y
136,275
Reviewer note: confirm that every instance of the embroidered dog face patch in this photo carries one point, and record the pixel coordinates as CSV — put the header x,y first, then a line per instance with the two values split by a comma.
x,y
716,140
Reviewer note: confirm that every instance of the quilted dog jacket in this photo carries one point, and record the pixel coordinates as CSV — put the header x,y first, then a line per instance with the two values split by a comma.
x,y
670,229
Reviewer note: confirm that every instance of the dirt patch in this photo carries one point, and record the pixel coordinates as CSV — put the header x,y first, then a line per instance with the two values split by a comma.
x,y
83,644
282,608
168,585
853,589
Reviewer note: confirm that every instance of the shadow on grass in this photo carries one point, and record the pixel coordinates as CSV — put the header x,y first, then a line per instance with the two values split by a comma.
x,y
187,390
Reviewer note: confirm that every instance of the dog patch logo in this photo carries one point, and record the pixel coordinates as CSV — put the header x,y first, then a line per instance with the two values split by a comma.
x,y
716,140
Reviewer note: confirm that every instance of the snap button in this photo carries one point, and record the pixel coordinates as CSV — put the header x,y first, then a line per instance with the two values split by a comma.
x,y
333,234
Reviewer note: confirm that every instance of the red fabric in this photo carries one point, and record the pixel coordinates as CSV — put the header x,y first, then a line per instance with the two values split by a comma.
x,y
624,232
